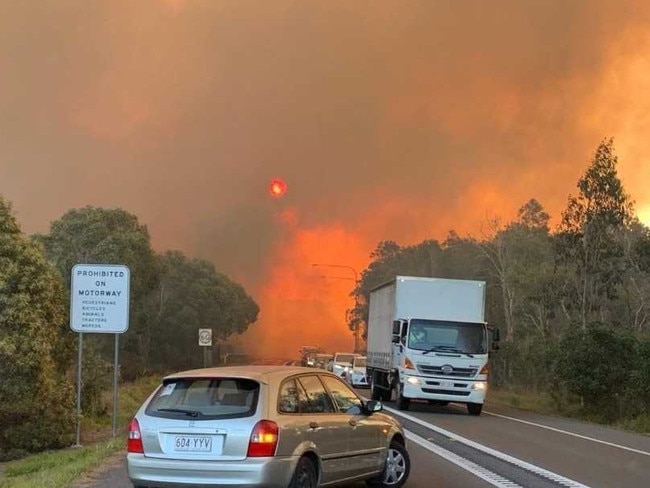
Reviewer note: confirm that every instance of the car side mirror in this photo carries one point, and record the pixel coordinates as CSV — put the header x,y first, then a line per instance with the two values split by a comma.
x,y
374,406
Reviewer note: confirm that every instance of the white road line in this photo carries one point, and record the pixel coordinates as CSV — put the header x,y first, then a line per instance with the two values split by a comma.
x,y
561,480
580,436
483,473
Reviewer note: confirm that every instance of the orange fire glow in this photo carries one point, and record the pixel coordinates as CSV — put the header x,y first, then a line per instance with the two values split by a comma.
x,y
302,304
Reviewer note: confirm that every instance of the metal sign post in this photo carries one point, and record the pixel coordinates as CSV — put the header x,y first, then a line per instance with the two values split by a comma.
x,y
205,341
99,303
78,437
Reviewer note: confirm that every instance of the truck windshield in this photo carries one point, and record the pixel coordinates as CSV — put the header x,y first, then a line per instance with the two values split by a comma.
x,y
436,335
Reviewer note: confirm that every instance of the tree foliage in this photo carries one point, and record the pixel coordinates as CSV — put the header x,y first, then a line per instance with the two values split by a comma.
x,y
519,256
36,396
596,364
574,303
588,239
191,295
171,296
93,235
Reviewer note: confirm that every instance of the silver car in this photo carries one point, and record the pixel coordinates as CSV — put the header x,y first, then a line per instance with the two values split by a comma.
x,y
272,426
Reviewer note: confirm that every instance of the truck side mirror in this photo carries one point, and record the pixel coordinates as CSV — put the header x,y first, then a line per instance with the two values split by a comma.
x,y
397,325
396,339
496,336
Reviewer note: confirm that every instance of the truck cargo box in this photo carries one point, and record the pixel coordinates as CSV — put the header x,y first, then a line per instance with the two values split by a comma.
x,y
427,298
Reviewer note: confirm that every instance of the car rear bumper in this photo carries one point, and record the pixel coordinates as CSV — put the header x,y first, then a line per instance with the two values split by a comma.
x,y
272,472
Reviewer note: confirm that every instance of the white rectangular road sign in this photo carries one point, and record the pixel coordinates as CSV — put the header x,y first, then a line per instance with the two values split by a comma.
x,y
99,301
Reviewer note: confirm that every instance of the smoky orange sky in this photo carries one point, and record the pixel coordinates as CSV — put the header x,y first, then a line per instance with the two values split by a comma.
x,y
393,120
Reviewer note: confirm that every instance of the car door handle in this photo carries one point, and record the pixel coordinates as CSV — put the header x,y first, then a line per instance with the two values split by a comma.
x,y
352,422
313,425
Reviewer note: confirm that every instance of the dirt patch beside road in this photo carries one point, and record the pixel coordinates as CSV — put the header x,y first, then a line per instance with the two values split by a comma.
x,y
111,474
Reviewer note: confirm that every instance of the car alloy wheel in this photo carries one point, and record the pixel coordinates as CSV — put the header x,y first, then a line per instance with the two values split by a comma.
x,y
396,470
305,475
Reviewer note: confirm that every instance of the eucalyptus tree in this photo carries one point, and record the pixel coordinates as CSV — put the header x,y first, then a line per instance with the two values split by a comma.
x,y
192,295
588,242
36,353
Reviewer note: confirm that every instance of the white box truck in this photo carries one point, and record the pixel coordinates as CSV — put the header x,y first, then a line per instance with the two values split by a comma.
x,y
428,340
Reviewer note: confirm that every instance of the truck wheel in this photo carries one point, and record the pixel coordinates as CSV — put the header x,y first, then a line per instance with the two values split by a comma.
x,y
375,392
402,402
474,408
387,395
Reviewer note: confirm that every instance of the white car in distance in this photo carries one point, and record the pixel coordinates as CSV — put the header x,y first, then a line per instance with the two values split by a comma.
x,y
341,362
356,375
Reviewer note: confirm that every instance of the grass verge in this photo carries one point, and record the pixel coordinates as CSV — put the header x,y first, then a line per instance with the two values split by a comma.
x,y
542,403
523,399
60,469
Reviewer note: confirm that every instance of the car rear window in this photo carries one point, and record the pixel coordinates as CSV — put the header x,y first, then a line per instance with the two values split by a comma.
x,y
205,398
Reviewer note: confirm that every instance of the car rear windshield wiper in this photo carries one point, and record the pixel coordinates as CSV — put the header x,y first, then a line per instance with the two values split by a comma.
x,y
191,413
447,349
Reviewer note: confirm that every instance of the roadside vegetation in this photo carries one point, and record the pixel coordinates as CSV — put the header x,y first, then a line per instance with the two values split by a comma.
x,y
62,467
572,302
171,297
544,403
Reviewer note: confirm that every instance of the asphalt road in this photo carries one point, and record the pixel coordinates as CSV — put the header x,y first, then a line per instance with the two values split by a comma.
x,y
503,447
427,472
588,454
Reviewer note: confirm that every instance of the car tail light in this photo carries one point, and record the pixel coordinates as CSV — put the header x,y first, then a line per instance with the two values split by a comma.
x,y
484,369
134,441
264,439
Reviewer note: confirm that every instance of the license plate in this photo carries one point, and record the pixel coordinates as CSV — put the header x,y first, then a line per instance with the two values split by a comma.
x,y
447,384
193,443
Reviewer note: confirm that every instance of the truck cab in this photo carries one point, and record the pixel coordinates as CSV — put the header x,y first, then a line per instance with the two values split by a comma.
x,y
441,361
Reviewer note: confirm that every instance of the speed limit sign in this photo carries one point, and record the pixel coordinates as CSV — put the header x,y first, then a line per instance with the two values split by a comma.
x,y
205,337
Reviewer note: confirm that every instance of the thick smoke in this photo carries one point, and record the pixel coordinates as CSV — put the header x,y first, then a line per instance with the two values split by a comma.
x,y
389,120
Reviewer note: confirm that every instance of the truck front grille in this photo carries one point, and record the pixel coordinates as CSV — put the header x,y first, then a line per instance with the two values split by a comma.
x,y
445,392
455,373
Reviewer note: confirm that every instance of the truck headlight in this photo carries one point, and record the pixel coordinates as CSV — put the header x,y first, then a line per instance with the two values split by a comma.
x,y
412,380
481,386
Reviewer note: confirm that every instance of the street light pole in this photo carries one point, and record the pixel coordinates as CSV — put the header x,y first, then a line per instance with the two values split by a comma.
x,y
356,303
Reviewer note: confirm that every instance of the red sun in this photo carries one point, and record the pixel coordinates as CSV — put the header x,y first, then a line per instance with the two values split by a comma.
x,y
277,188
